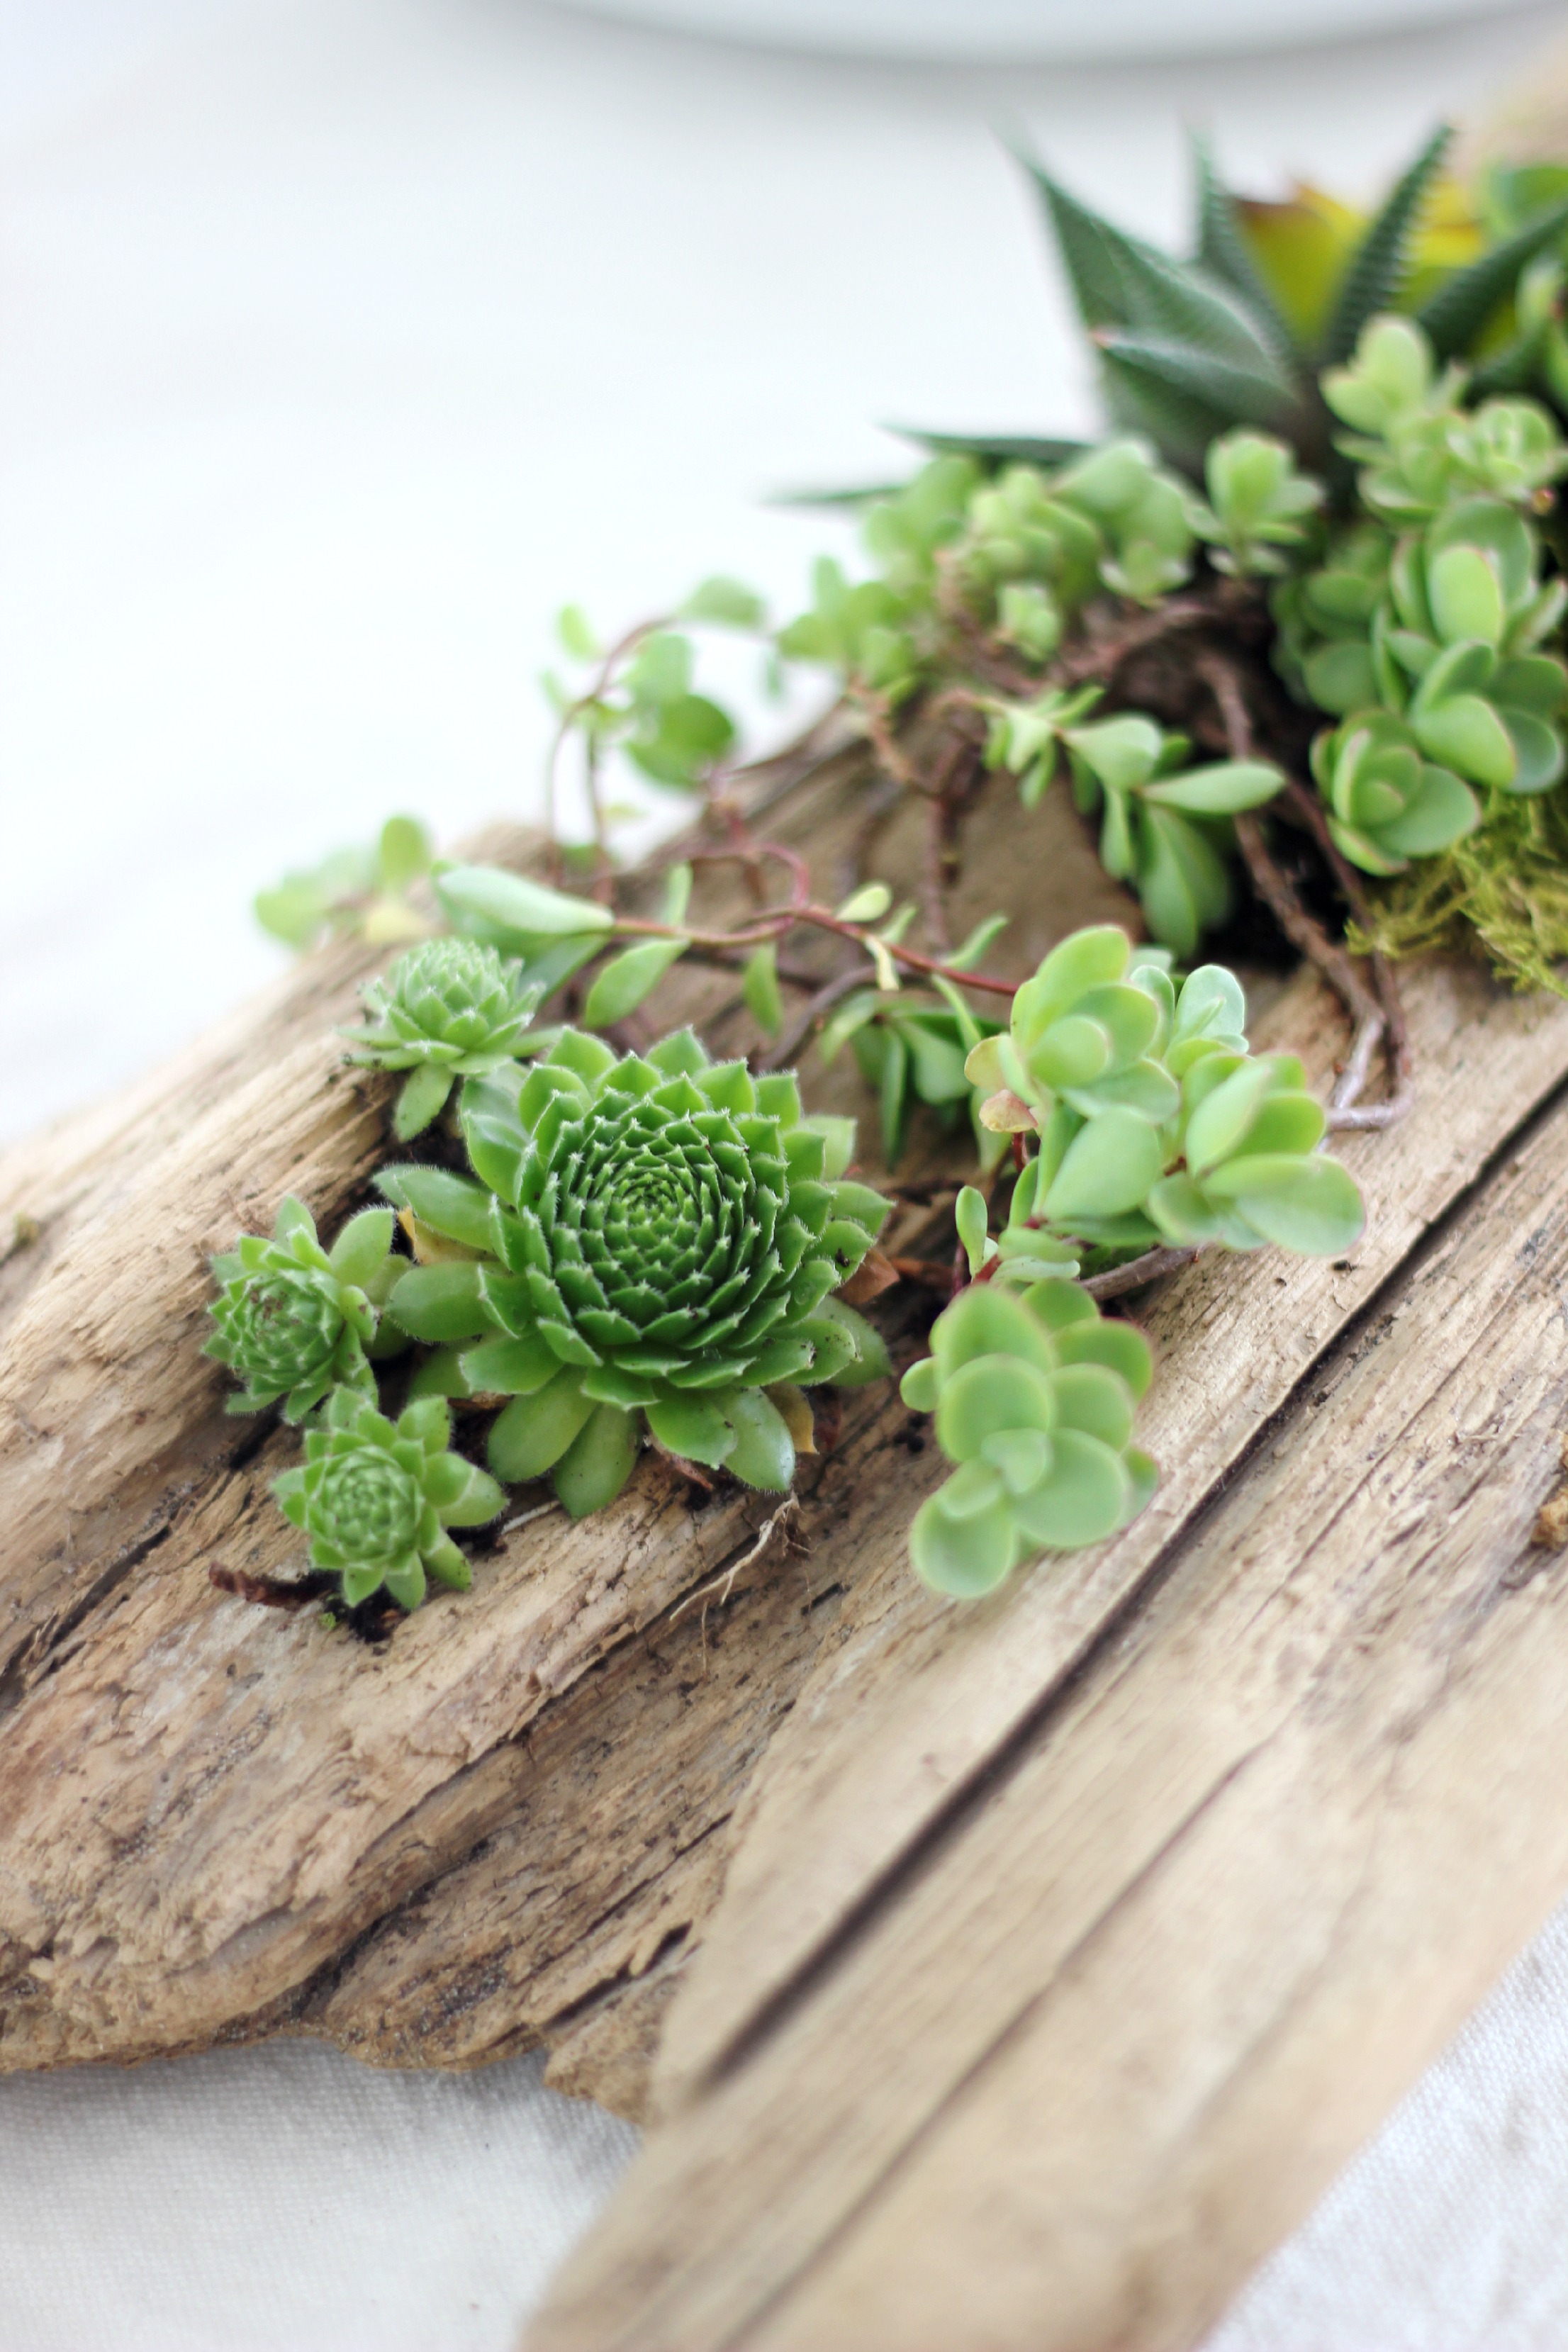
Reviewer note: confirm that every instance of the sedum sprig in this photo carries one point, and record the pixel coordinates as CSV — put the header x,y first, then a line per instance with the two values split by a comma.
x,y
376,1497
1163,827
657,1238
1034,1396
295,1320
449,1009
1155,1126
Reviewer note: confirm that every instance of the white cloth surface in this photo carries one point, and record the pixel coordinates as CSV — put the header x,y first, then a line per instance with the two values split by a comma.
x,y
344,339
288,2199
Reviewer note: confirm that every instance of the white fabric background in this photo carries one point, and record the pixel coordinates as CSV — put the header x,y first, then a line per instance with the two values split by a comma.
x,y
344,339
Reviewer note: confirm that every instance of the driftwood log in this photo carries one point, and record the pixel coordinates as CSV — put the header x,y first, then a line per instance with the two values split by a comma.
x,y
218,1821
1012,1976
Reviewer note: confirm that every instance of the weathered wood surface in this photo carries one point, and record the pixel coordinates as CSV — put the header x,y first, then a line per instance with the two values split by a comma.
x,y
1096,2045
216,1822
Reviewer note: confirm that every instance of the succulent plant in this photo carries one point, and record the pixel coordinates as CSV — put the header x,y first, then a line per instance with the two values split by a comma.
x,y
1163,825
1113,1068
1419,446
294,1320
1452,647
660,1238
376,1497
1258,503
1386,801
1034,1396
449,1009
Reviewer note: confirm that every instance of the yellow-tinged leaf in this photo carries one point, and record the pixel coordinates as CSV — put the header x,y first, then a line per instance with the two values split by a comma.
x,y
431,1248
1302,247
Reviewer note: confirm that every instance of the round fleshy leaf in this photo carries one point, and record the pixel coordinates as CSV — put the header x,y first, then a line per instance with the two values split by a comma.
x,y
919,1387
1117,1345
1085,1499
1539,749
1223,1118
990,1393
1072,1052
1106,1169
1023,1456
1441,811
964,1558
985,1322
974,1487
1465,595
1095,1399
1465,733
1308,1205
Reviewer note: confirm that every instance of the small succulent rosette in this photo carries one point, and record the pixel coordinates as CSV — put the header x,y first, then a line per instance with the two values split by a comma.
x,y
376,1497
1034,1395
449,1009
295,1320
657,1239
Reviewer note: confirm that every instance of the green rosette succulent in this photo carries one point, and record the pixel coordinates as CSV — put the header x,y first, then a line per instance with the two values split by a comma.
x,y
376,1497
449,1009
1034,1396
1386,803
658,1237
294,1320
1111,1066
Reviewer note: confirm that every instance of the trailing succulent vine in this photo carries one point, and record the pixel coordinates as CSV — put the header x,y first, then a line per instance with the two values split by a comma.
x,y
1291,633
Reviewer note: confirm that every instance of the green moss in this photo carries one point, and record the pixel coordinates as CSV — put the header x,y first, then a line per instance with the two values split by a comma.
x,y
1501,893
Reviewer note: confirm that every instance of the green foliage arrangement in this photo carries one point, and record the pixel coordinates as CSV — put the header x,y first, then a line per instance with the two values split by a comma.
x,y
1291,637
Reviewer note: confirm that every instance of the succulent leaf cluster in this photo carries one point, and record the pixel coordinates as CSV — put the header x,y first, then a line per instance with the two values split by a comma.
x,y
657,1239
1423,628
295,1320
1155,1125
449,1009
1034,1395
376,1497
1164,825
